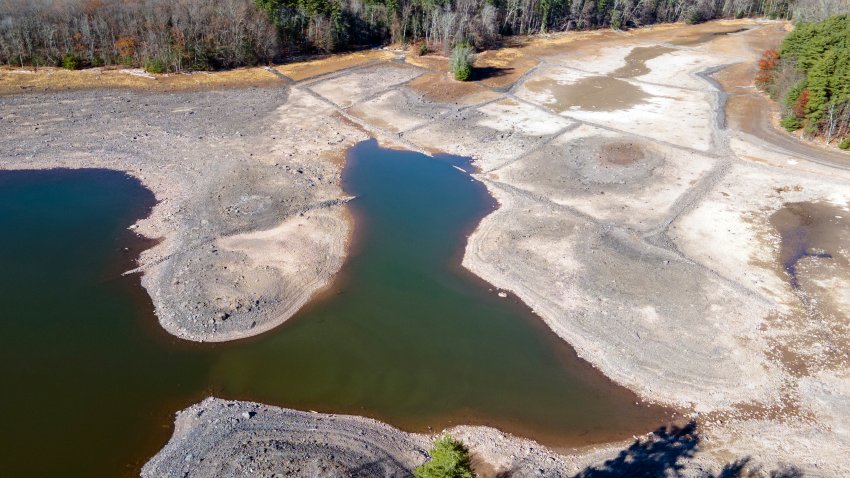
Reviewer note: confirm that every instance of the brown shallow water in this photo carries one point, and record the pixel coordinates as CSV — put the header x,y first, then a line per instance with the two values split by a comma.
x,y
812,256
597,93
636,61
810,230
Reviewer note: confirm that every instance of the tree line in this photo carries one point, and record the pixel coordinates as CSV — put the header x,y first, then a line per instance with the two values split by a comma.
x,y
159,35
810,76
175,35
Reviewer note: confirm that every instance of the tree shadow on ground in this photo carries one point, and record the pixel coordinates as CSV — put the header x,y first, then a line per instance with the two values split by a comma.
x,y
660,455
666,454
744,468
486,72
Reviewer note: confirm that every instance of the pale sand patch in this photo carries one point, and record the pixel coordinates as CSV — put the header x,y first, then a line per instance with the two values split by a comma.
x,y
303,70
752,148
358,85
837,289
601,62
827,396
509,115
728,231
306,251
396,111
493,134
670,115
586,282
576,170
678,68
680,117
788,444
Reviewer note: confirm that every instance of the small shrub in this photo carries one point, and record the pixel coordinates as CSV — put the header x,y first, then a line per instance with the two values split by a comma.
x,y
693,16
449,459
767,67
616,20
423,49
794,92
845,143
801,105
461,61
810,129
790,123
156,66
97,61
70,62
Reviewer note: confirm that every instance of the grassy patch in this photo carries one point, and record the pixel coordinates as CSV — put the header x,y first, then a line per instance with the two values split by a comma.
x,y
449,459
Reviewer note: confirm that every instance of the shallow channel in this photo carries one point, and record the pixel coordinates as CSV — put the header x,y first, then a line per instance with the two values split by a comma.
x,y
404,335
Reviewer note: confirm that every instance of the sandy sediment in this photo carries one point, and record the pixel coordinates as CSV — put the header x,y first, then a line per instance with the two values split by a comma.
x,y
642,231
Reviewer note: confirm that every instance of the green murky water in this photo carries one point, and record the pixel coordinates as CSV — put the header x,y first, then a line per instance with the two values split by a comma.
x,y
405,335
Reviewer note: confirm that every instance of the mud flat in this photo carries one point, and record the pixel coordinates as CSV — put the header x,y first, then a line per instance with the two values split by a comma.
x,y
641,230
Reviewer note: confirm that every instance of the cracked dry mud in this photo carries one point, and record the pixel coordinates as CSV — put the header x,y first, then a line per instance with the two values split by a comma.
x,y
641,231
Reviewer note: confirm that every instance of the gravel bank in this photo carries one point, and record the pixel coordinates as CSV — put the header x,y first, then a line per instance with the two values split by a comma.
x,y
218,438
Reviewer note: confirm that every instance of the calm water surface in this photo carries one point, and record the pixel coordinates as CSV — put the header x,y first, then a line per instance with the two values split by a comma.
x,y
405,335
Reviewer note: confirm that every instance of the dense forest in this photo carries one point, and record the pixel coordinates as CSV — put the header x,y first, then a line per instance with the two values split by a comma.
x,y
810,76
174,35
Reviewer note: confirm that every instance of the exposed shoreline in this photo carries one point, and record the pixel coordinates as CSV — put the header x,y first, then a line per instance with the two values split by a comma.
x,y
300,443
598,248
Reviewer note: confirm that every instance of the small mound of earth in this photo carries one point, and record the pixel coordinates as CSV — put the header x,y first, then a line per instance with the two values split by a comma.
x,y
621,153
602,160
218,438
589,165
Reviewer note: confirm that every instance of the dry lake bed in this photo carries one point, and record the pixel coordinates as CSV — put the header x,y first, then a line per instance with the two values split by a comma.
x,y
634,272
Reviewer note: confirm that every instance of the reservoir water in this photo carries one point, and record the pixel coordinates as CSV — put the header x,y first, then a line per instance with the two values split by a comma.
x,y
405,334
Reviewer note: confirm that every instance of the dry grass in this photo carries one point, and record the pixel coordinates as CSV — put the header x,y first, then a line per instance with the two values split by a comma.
x,y
431,61
17,80
497,69
57,79
441,88
329,64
